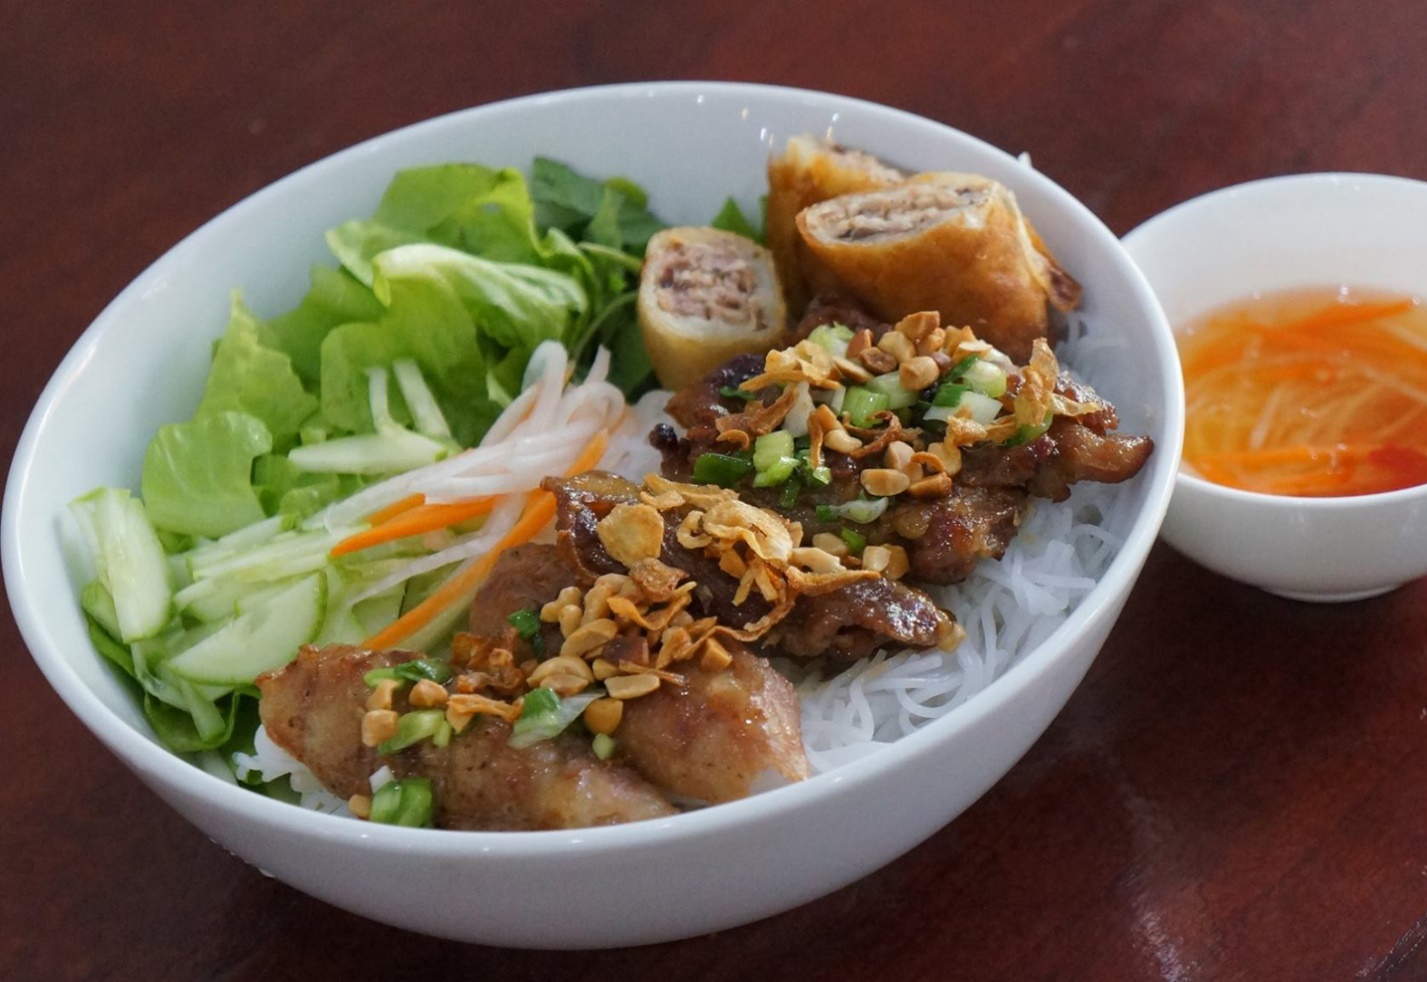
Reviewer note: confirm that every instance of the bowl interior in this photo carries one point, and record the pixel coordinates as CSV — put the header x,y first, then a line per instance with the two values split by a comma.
x,y
142,362
1281,233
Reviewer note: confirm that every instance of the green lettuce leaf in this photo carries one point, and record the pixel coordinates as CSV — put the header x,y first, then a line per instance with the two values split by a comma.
x,y
249,377
197,477
335,297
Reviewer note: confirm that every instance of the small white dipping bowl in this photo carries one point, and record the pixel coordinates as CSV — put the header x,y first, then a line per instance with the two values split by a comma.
x,y
1310,230
143,361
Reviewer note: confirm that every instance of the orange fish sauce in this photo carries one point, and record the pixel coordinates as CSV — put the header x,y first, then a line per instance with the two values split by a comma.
x,y
1317,392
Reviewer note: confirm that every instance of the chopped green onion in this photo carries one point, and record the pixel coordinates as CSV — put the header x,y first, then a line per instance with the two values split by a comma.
x,y
413,727
860,405
860,510
789,497
770,449
443,734
733,392
406,802
722,469
545,715
855,540
527,625
986,378
981,408
890,385
603,746
948,394
412,671
833,338
1025,434
956,372
539,702
779,473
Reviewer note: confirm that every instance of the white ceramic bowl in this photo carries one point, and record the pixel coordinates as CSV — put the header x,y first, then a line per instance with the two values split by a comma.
x,y
1303,231
142,363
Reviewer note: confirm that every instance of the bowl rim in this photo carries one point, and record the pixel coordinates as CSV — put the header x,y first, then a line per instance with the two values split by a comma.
x,y
1279,183
1190,210
155,763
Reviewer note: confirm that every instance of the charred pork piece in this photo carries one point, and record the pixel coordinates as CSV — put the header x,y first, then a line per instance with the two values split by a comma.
x,y
711,737
855,619
525,578
858,620
479,781
946,537
720,736
314,709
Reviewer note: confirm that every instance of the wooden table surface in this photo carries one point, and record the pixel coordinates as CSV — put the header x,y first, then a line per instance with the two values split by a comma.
x,y
1238,789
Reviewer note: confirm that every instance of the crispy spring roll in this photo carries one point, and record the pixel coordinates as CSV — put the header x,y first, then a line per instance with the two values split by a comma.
x,y
954,243
807,172
706,295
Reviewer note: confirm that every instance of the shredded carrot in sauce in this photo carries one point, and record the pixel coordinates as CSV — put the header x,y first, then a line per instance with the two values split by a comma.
x,y
1318,393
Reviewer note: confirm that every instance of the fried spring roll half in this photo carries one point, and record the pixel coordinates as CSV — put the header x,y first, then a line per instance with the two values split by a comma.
x,y
706,295
954,243
807,172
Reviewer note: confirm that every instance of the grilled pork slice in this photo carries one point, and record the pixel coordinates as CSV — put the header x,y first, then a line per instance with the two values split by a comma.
x,y
706,295
720,736
313,709
478,781
954,243
855,620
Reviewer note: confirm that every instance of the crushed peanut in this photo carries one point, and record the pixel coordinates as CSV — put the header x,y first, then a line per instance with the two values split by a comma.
x,y
918,372
936,486
877,360
427,694
589,637
381,695
631,686
884,482
604,715
841,441
378,725
898,345
561,665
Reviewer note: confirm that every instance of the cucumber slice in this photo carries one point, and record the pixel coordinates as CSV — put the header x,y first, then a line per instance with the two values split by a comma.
x,y
265,638
129,559
369,453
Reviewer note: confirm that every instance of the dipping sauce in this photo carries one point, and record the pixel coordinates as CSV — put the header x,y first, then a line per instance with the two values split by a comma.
x,y
1318,392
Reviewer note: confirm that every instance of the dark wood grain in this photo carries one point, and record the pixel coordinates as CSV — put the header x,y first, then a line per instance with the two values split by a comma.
x,y
1237,791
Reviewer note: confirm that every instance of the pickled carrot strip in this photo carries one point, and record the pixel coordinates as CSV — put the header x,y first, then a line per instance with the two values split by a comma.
x,y
539,509
416,521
